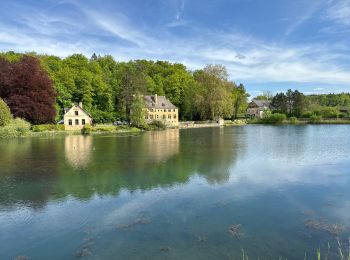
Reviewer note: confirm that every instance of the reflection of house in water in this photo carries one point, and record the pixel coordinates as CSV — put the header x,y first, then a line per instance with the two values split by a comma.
x,y
78,150
161,145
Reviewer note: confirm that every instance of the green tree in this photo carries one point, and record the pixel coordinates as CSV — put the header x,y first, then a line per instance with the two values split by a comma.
x,y
214,96
137,116
240,99
5,113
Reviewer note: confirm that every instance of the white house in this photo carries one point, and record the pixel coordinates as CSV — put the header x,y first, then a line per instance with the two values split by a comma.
x,y
76,117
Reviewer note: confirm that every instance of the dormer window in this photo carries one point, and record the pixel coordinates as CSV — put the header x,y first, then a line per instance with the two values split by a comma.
x,y
76,113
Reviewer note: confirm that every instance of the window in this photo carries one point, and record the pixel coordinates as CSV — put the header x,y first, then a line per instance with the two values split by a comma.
x,y
76,121
163,116
169,116
76,113
83,121
174,116
70,122
146,117
169,110
174,110
157,116
151,117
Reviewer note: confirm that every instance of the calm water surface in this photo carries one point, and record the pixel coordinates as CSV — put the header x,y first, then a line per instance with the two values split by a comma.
x,y
174,194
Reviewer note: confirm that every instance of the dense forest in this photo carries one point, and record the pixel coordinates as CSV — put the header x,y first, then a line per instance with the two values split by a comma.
x,y
39,87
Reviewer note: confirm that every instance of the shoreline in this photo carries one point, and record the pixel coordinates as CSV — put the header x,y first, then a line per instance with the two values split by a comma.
x,y
182,126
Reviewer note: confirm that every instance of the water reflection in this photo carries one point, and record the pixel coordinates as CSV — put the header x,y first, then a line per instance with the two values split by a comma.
x,y
77,150
186,184
29,170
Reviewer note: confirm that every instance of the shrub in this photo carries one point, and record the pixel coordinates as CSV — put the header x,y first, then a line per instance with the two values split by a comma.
x,y
5,113
21,126
315,119
157,125
86,130
17,127
307,114
327,112
275,118
293,120
47,127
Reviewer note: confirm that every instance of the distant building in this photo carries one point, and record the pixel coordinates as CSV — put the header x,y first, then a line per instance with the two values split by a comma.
x,y
159,108
76,117
257,107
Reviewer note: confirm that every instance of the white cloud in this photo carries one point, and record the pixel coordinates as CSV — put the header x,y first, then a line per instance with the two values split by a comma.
x,y
339,12
247,58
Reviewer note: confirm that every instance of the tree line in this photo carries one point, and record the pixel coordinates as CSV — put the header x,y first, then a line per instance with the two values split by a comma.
x,y
39,87
296,104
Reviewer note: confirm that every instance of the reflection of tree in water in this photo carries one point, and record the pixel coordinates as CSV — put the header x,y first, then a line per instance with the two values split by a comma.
x,y
211,152
28,171
156,159
106,164
77,150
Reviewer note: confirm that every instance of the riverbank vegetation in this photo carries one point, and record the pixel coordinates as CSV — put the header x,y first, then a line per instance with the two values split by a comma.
x,y
47,84
296,108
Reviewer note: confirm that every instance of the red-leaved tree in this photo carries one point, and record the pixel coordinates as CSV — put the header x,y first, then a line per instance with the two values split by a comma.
x,y
28,90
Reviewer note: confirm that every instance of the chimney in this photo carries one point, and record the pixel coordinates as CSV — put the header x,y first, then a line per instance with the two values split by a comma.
x,y
156,98
81,104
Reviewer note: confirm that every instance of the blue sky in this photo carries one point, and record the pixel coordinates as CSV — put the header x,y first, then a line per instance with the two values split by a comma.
x,y
265,44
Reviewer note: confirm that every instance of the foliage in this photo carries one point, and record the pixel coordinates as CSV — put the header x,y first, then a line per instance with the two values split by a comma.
x,y
239,96
156,125
47,127
138,111
5,114
28,90
214,98
315,119
275,118
16,128
86,129
327,112
291,103
107,87
293,120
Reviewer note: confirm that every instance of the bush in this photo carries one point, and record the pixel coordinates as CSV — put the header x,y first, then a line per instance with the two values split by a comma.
x,y
5,113
47,127
275,118
307,114
293,120
17,127
315,119
156,125
327,112
86,130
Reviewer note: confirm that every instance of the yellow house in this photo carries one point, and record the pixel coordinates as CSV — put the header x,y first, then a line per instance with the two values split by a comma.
x,y
159,108
76,117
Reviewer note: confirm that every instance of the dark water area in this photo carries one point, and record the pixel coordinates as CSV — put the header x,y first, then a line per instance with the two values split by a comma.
x,y
216,193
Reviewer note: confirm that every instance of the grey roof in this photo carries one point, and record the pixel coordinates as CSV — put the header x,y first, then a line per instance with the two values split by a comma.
x,y
162,102
262,103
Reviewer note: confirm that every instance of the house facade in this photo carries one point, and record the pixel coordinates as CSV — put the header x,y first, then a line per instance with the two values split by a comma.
x,y
159,108
257,107
76,117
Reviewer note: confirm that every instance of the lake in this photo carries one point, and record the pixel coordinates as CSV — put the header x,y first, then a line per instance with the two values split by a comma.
x,y
214,193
